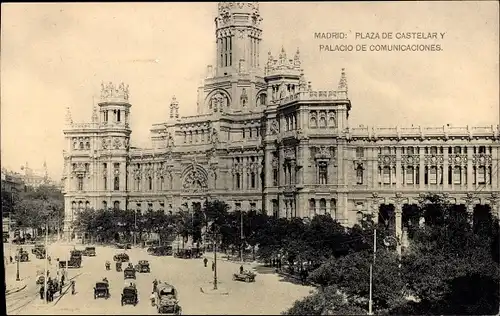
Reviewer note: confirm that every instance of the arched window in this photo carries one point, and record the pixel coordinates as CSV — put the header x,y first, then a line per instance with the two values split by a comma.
x,y
116,205
457,175
80,205
331,121
161,183
322,206
87,204
252,180
81,145
262,99
359,174
150,183
313,123
312,207
87,145
238,181
73,206
322,122
275,208
116,185
333,208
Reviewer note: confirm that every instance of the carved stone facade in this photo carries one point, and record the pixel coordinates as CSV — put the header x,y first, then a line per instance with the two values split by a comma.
x,y
264,139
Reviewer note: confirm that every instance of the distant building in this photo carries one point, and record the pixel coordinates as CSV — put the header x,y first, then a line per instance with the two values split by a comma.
x,y
263,138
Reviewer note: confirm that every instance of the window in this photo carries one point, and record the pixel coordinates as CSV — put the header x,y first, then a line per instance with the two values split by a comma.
x,y
105,116
243,133
116,184
482,149
333,208
80,205
161,183
104,205
481,175
118,116
322,206
433,175
360,152
409,175
81,145
150,183
116,205
253,206
457,150
323,173
137,184
162,207
87,204
457,175
150,207
252,180
312,206
411,151
322,122
275,208
105,182
387,175
275,177
262,99
80,183
238,180
359,175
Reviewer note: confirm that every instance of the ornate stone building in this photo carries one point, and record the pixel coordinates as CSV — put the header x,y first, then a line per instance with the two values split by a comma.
x,y
263,138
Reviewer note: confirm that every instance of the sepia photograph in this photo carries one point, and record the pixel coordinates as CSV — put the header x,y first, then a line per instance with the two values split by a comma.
x,y
251,158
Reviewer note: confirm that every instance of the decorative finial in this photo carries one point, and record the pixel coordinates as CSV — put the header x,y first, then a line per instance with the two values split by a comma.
x,y
174,108
343,81
95,117
69,120
296,59
109,90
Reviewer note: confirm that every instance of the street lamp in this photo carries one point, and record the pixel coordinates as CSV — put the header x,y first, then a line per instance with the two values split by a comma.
x,y
241,236
215,257
18,258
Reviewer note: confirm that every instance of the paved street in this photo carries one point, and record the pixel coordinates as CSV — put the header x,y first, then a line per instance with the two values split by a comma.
x,y
268,295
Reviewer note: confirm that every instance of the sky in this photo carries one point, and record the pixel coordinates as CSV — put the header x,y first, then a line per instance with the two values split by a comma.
x,y
55,56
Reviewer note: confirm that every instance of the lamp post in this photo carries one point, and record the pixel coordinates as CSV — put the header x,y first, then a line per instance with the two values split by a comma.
x,y
135,228
18,258
241,235
370,302
215,259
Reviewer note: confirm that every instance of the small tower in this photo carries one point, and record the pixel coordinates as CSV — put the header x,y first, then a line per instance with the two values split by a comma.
x,y
343,82
283,75
174,108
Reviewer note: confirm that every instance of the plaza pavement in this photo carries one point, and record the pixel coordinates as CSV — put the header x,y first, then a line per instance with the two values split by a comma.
x,y
268,295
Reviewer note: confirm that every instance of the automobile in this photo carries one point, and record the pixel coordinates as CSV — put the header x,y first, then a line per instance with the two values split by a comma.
x,y
76,253
23,256
247,276
40,279
38,248
63,264
121,257
166,300
74,262
160,251
129,296
129,273
184,254
89,252
101,289
142,266
40,255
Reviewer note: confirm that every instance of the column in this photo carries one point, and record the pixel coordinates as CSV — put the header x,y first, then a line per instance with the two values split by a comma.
x,y
293,171
398,212
281,168
445,168
375,209
316,207
469,169
398,167
421,168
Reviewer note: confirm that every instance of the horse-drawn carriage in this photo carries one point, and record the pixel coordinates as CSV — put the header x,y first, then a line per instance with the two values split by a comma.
x,y
129,296
101,289
247,276
166,300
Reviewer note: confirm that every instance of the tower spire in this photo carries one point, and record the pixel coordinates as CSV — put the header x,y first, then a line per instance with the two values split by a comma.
x,y
343,81
69,120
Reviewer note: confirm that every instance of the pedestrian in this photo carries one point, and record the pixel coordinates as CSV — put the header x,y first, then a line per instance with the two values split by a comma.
x,y
11,259
152,298
62,280
205,261
49,259
60,287
241,269
42,290
155,285
73,287
213,266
